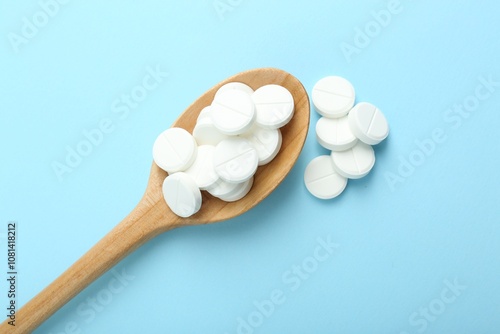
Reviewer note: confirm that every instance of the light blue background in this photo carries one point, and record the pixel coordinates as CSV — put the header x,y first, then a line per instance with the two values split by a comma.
x,y
397,246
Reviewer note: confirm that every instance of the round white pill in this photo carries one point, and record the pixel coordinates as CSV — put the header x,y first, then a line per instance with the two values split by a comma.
x,y
274,106
355,162
206,133
321,179
235,159
232,112
204,113
333,96
335,134
267,143
240,191
222,188
181,194
202,170
174,150
368,123
235,85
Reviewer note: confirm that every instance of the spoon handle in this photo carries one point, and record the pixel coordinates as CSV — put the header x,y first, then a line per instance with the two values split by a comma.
x,y
137,228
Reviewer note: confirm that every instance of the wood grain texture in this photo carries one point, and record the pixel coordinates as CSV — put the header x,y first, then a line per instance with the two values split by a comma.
x,y
152,216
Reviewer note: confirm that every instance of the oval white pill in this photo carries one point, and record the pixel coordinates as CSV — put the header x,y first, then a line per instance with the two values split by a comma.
x,y
333,96
232,112
368,123
267,143
206,133
240,191
322,180
235,85
355,162
235,159
174,150
181,194
274,106
202,170
335,134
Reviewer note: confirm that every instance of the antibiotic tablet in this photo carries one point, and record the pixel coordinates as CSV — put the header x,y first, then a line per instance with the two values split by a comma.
x,y
368,123
235,85
235,160
355,162
333,96
274,106
335,134
239,191
322,180
174,150
222,188
202,170
206,133
182,195
232,112
266,142
204,114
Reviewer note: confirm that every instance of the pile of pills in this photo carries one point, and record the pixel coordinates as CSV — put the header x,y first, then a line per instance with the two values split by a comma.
x,y
237,133
347,130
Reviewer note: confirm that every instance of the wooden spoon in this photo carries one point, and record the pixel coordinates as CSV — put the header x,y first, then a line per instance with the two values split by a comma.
x,y
152,216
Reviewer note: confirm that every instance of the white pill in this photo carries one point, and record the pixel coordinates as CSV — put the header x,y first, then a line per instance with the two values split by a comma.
x,y
240,191
274,106
235,159
235,85
222,188
368,123
204,113
321,179
181,194
267,143
174,150
202,170
333,96
206,133
335,134
355,162
232,112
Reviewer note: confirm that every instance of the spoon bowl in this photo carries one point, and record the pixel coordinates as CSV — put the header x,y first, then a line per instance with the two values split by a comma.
x,y
152,215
